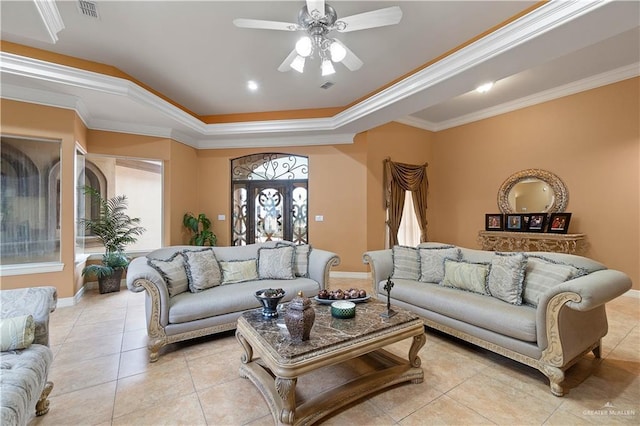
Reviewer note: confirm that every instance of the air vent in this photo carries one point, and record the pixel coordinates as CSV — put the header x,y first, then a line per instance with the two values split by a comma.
x,y
88,8
327,85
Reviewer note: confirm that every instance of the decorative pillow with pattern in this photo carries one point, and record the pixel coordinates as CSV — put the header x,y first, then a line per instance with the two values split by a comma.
x,y
237,271
173,272
17,333
202,269
301,259
406,263
276,262
542,274
432,262
466,276
506,277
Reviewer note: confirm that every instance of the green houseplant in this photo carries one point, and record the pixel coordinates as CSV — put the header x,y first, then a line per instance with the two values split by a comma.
x,y
115,229
200,229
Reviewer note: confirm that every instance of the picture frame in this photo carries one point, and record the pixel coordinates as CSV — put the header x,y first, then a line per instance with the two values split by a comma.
x,y
515,222
559,223
493,222
536,222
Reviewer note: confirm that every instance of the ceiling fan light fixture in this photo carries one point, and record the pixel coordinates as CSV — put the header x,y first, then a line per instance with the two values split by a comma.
x,y
338,52
327,67
298,64
304,46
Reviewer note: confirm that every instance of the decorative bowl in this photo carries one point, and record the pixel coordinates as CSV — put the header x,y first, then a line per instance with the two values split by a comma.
x,y
343,309
269,299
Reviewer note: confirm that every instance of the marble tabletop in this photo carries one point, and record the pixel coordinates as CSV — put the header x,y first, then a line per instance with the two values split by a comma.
x,y
327,333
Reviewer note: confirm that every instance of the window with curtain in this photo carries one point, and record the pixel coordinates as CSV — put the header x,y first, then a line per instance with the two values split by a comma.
x,y
400,178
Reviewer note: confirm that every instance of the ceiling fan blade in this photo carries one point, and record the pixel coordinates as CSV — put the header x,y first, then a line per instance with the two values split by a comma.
x,y
286,64
373,19
265,25
315,5
350,61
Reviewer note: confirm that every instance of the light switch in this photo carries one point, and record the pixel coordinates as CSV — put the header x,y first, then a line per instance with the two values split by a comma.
x,y
319,218
222,217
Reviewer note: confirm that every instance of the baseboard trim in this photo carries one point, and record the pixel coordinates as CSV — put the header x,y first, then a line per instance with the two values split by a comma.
x,y
632,293
356,275
66,302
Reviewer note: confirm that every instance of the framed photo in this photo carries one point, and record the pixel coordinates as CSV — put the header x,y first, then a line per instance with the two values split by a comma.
x,y
536,222
559,223
515,222
493,222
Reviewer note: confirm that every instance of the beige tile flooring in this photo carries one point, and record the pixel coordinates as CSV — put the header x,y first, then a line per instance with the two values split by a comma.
x,y
101,376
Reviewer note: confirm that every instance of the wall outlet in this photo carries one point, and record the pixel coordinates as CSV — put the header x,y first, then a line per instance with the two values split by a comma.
x,y
222,217
319,218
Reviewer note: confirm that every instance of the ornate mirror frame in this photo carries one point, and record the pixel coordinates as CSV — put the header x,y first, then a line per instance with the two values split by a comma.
x,y
560,192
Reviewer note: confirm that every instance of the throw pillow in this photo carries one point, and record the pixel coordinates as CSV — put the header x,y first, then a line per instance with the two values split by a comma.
x,y
202,269
173,272
17,333
432,262
301,259
542,274
507,276
466,276
237,271
406,263
276,262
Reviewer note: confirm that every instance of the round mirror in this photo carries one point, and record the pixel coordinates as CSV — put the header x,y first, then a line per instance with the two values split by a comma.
x,y
533,191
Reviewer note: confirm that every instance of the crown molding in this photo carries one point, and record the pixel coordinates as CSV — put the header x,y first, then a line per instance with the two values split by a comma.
x,y
530,26
192,131
419,123
51,18
572,88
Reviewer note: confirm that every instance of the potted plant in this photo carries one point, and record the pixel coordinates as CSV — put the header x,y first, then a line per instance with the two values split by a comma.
x,y
115,229
200,229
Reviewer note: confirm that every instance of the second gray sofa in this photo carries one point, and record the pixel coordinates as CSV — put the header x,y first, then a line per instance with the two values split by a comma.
x,y
552,314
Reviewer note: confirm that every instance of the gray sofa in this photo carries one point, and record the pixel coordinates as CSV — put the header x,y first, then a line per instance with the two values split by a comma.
x,y
24,387
557,323
174,316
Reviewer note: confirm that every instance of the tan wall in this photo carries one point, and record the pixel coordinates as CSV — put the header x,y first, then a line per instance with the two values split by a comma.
x,y
180,184
22,119
591,140
403,144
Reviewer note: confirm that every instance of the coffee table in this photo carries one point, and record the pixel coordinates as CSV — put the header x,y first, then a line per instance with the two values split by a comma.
x,y
273,362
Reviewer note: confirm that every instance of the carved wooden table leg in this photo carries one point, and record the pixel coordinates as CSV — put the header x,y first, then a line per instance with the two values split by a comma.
x,y
414,359
287,390
248,350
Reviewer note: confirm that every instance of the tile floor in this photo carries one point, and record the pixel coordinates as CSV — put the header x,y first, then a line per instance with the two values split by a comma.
x,y
102,377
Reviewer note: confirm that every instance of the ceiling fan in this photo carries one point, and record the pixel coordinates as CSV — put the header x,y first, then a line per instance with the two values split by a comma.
x,y
318,19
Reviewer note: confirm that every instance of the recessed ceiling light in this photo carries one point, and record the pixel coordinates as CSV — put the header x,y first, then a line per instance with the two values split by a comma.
x,y
484,88
252,85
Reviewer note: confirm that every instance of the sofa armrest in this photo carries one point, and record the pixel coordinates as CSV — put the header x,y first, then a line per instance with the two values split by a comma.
x,y
141,276
320,263
381,263
38,302
574,312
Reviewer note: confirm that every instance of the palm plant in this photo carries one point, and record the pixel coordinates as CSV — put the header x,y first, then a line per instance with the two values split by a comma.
x,y
200,229
115,229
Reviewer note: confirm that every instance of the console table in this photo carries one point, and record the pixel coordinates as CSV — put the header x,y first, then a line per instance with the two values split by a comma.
x,y
532,241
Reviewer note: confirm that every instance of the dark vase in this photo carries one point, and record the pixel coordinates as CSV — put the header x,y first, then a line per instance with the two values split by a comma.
x,y
269,304
299,318
111,283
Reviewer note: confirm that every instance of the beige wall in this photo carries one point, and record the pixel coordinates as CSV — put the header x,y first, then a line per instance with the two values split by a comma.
x,y
591,140
180,184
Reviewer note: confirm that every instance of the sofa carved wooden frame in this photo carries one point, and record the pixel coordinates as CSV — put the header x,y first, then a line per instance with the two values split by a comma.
x,y
552,363
157,336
